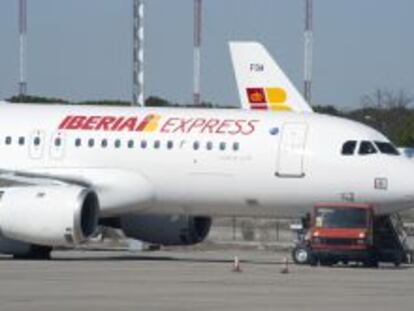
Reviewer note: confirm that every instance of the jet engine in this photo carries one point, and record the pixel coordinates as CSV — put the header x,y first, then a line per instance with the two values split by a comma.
x,y
57,215
166,230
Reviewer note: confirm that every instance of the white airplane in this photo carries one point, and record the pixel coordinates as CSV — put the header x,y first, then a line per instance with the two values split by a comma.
x,y
139,169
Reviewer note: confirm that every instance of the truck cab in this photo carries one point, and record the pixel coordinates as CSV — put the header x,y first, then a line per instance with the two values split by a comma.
x,y
345,232
341,232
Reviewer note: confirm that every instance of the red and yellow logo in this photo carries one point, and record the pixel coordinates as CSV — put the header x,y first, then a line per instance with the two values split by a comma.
x,y
256,96
268,99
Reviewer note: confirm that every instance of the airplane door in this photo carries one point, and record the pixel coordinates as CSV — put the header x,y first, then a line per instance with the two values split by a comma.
x,y
57,146
36,144
291,150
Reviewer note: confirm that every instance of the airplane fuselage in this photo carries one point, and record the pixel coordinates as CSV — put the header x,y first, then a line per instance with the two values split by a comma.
x,y
204,162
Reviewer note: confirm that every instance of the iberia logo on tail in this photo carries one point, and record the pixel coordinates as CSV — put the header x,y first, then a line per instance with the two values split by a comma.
x,y
273,98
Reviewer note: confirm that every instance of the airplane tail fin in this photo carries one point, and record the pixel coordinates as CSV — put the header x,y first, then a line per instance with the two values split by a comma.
x,y
262,84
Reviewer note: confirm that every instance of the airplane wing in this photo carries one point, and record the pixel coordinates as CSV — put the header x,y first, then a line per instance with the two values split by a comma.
x,y
10,178
118,191
262,84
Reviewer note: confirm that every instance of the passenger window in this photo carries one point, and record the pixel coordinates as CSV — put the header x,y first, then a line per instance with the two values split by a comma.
x,y
222,146
130,144
170,144
387,148
157,144
349,147
117,143
366,147
78,142
58,142
209,145
21,141
91,142
144,144
36,141
8,140
104,143
196,145
236,146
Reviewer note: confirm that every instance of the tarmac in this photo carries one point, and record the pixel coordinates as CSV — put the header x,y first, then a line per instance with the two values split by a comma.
x,y
197,280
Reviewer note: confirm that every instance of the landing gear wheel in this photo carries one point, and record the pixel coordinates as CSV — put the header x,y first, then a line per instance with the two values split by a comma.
x,y
36,252
301,255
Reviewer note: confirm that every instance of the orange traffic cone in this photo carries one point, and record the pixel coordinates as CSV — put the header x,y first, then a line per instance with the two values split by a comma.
x,y
236,265
285,268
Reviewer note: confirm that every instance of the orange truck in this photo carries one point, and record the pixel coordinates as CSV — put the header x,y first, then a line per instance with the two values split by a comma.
x,y
345,232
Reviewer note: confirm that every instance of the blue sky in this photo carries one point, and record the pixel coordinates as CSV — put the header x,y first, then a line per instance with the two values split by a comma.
x,y
81,49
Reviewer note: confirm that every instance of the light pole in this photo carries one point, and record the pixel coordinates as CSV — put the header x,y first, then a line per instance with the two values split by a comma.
x,y
22,38
138,98
198,12
308,51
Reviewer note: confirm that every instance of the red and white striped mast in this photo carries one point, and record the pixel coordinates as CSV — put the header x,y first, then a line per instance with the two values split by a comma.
x,y
198,13
22,46
308,64
138,98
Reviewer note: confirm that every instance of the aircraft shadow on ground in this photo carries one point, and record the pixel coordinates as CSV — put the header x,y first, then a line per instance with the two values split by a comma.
x,y
163,258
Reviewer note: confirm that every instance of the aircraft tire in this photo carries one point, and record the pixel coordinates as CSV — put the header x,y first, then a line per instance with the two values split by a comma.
x,y
36,253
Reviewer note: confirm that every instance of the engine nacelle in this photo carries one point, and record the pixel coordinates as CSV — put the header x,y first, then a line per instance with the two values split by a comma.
x,y
48,215
166,230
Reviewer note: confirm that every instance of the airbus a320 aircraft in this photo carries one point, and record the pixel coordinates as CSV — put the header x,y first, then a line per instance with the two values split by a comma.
x,y
161,174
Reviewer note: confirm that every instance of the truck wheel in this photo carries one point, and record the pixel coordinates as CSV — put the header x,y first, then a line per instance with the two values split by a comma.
x,y
301,255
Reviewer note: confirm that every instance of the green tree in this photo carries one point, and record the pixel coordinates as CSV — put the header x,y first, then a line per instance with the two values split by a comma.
x,y
104,103
36,99
154,101
406,136
330,110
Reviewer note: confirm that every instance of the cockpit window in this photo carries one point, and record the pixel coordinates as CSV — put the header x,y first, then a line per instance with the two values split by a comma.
x,y
387,148
348,147
366,147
